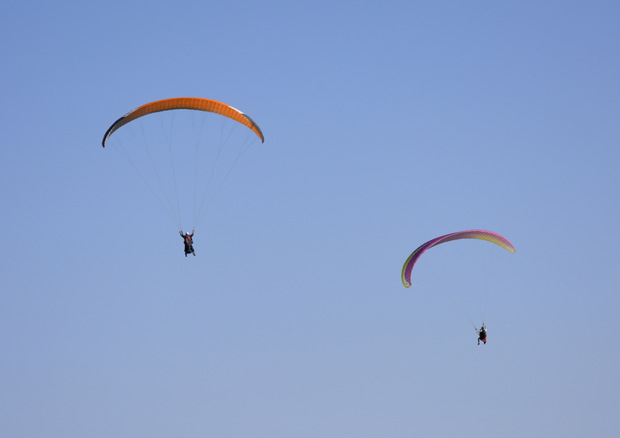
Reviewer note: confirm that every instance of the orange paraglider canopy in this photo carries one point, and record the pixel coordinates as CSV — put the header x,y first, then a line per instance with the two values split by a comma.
x,y
190,103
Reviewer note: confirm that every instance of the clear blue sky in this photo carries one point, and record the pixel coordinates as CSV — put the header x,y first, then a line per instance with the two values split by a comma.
x,y
386,124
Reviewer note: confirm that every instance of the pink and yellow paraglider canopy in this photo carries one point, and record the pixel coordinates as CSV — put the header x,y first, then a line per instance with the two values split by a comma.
x,y
489,236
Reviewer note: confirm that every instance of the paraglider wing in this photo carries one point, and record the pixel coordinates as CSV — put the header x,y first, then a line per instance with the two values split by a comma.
x,y
490,236
190,103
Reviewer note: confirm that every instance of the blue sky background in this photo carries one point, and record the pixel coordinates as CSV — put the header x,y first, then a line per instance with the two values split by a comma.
x,y
386,124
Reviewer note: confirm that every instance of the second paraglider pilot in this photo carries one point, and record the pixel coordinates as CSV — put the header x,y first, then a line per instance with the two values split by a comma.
x,y
482,334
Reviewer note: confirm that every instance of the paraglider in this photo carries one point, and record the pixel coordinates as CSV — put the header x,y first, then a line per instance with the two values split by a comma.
x,y
489,236
184,157
482,334
188,242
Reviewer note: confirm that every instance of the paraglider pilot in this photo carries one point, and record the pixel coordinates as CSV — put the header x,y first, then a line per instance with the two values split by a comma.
x,y
188,241
482,334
